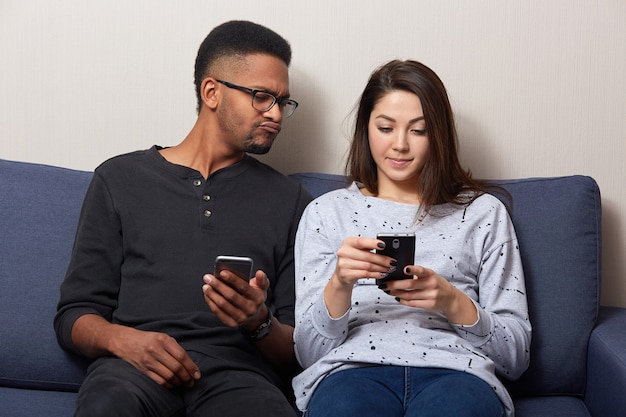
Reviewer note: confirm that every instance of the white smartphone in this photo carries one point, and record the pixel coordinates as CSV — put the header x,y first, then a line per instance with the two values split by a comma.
x,y
401,247
239,265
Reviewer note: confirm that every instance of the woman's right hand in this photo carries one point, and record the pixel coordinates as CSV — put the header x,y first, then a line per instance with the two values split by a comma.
x,y
355,260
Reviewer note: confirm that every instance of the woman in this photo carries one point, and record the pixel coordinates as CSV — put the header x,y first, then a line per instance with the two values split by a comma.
x,y
431,345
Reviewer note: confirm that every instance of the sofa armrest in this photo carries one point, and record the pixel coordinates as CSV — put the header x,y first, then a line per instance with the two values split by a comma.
x,y
606,378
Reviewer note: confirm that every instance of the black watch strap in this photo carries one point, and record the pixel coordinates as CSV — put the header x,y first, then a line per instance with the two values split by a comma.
x,y
263,330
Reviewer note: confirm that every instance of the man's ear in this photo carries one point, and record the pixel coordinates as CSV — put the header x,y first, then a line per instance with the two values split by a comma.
x,y
209,93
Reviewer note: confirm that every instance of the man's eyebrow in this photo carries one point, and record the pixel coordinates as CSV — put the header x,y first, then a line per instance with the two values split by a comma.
x,y
268,91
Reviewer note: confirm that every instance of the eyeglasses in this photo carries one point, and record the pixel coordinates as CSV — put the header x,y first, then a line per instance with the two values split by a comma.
x,y
264,101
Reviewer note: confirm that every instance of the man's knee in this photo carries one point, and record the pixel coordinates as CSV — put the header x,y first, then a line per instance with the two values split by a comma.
x,y
107,401
115,388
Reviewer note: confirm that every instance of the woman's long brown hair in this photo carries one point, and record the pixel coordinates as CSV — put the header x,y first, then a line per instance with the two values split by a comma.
x,y
442,179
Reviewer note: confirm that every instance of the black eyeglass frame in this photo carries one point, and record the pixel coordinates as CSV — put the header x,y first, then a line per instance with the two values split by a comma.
x,y
292,103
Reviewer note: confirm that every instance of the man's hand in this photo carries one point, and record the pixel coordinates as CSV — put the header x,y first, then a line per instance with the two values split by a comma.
x,y
157,355
239,303
160,357
235,301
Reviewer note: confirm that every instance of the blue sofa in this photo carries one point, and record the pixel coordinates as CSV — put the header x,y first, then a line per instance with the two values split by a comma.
x,y
578,353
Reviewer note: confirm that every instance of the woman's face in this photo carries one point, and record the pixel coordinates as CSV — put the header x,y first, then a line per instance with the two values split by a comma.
x,y
398,140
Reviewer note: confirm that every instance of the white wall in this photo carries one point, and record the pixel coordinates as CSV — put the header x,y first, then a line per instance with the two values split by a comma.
x,y
539,87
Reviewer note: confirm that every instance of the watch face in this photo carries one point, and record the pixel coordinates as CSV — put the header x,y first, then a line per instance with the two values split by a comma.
x,y
264,330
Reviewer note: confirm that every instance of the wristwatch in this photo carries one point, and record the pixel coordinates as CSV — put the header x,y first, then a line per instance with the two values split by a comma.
x,y
263,330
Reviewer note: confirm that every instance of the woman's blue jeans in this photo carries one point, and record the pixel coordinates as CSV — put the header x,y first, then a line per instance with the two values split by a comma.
x,y
395,391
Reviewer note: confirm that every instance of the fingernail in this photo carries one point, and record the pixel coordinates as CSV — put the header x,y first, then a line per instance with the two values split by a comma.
x,y
381,245
382,286
398,299
407,270
393,262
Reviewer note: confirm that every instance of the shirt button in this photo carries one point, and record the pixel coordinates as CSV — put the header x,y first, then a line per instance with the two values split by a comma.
x,y
206,197
207,213
197,183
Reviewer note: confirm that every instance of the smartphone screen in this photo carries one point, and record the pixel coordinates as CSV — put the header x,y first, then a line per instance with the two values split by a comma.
x,y
401,247
239,265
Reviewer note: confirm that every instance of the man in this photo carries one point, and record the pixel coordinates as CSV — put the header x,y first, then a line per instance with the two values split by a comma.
x,y
170,338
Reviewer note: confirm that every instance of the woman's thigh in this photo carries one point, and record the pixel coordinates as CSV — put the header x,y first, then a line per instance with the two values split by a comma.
x,y
360,392
443,393
403,392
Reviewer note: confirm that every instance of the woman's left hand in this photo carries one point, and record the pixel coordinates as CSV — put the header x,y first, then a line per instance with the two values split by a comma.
x,y
430,291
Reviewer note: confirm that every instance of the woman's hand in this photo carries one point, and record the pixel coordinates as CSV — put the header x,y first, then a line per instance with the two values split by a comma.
x,y
429,291
355,260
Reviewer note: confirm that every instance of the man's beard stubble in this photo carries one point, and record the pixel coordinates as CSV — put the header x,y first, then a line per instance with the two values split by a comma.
x,y
257,149
254,147
250,143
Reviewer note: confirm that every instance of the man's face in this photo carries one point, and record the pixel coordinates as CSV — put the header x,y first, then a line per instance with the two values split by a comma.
x,y
244,127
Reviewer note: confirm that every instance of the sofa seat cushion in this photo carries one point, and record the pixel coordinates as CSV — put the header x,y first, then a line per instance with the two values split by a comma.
x,y
550,407
18,402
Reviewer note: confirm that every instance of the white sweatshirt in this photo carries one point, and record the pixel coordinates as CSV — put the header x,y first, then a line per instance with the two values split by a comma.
x,y
474,247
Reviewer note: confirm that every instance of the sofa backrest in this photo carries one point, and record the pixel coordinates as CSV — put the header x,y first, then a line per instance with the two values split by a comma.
x,y
39,208
557,221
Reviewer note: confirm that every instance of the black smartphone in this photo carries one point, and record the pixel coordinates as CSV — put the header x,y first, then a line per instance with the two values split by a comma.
x,y
401,247
239,265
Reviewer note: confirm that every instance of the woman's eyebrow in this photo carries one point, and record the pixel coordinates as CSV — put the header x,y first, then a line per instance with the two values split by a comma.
x,y
391,119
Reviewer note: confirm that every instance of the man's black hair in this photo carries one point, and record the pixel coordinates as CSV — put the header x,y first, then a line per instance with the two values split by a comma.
x,y
237,38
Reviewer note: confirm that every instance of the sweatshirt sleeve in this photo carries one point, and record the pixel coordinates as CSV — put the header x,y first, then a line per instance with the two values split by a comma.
x,y
503,330
316,333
